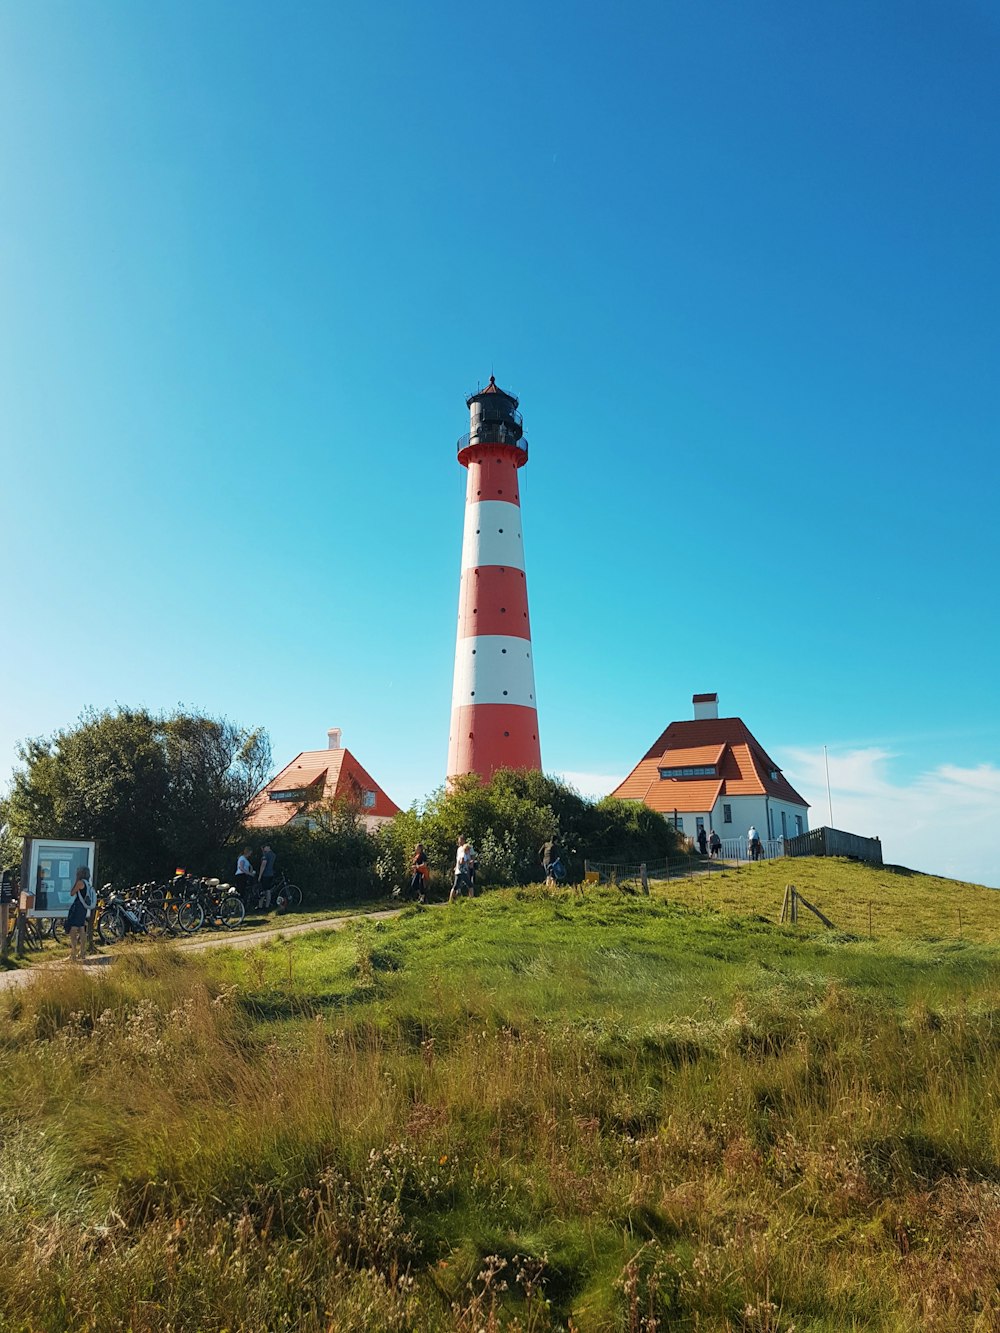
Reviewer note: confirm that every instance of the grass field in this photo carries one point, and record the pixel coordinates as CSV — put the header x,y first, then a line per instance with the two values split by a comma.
x,y
523,1112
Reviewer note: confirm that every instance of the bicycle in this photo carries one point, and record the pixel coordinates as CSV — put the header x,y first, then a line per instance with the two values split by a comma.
x,y
285,895
220,902
123,916
181,904
34,935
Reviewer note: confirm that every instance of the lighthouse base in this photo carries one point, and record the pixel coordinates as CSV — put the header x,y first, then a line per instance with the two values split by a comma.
x,y
485,737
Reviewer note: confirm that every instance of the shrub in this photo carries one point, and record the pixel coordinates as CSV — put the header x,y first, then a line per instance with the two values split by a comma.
x,y
508,819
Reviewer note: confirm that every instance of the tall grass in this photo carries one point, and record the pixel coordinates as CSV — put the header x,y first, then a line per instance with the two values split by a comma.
x,y
516,1113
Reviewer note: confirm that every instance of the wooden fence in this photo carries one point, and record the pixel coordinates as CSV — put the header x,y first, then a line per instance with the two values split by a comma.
x,y
835,842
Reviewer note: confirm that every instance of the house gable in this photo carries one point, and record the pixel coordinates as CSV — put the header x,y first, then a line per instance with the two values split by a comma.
x,y
675,772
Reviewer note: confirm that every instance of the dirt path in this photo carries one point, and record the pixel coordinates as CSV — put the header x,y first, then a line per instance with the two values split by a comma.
x,y
244,940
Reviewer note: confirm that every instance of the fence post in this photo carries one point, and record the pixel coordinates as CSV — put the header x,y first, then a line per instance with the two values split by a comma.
x,y
643,878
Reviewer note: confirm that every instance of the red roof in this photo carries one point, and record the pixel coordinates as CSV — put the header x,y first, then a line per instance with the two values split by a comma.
x,y
744,768
334,775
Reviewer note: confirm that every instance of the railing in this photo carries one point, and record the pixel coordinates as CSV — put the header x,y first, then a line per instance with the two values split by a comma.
x,y
835,842
497,412
492,433
737,849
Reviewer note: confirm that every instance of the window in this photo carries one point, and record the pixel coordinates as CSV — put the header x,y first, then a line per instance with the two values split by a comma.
x,y
727,814
703,771
368,800
798,825
774,775
298,794
699,824
677,821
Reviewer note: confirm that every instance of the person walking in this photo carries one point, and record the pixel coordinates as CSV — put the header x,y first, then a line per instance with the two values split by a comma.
x,y
471,864
76,918
420,870
461,869
702,840
265,876
548,853
715,844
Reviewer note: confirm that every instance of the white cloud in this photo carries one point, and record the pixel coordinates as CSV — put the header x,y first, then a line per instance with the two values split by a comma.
x,y
944,821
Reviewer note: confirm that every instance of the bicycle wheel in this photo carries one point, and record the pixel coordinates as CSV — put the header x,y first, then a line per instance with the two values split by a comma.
x,y
289,897
34,935
190,916
231,911
111,925
154,918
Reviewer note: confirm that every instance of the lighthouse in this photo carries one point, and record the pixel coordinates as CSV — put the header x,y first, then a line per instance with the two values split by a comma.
x,y
494,718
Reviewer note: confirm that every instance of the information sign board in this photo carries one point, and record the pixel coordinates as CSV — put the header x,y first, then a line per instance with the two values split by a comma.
x,y
50,866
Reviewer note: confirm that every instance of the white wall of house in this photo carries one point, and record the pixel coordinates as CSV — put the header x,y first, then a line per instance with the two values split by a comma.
x,y
764,812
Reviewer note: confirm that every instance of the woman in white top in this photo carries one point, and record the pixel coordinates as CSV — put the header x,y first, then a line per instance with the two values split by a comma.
x,y
244,874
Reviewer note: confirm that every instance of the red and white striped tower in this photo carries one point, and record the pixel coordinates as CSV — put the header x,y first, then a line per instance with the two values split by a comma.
x,y
494,720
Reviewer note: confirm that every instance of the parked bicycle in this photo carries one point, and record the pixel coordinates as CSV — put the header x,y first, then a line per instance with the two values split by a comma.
x,y
285,895
119,916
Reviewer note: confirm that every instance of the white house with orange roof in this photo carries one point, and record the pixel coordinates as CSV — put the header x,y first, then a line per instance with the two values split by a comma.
x,y
712,773
317,777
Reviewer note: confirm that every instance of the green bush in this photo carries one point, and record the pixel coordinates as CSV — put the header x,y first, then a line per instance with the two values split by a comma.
x,y
332,859
508,818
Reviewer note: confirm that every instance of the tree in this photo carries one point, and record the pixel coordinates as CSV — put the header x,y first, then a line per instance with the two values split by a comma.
x,y
156,790
508,819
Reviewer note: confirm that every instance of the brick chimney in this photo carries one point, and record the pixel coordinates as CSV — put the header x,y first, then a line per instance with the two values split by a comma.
x,y
705,706
333,738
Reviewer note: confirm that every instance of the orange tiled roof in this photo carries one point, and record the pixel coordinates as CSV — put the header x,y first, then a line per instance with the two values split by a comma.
x,y
343,779
696,756
294,778
744,767
639,781
666,795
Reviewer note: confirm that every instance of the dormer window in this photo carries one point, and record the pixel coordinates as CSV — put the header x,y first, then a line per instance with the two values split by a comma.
x,y
690,771
774,775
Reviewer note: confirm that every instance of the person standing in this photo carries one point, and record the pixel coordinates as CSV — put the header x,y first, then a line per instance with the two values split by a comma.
x,y
702,840
265,876
420,869
471,862
548,853
753,843
461,870
715,844
244,874
76,918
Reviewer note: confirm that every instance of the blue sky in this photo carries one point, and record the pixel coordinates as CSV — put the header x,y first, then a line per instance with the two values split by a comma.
x,y
739,262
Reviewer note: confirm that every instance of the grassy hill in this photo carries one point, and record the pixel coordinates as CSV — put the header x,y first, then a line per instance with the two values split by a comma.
x,y
524,1112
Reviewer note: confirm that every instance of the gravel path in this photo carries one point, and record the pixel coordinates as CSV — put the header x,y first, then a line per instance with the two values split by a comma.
x,y
237,940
